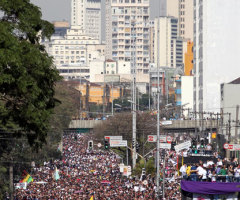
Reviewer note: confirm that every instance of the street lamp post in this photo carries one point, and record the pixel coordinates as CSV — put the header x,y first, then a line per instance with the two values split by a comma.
x,y
134,116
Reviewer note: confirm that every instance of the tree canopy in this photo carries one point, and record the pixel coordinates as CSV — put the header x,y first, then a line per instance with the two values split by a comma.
x,y
27,74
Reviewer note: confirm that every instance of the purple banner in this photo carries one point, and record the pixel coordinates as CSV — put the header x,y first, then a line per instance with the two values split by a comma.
x,y
209,187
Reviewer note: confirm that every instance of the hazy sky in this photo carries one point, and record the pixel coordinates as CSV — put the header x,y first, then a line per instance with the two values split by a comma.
x,y
54,10
57,10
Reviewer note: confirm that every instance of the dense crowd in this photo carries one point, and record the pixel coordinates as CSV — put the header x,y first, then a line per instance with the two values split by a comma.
x,y
84,174
95,174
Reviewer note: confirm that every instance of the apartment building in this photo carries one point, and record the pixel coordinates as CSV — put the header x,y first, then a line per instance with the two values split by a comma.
x,y
87,14
74,48
127,32
168,47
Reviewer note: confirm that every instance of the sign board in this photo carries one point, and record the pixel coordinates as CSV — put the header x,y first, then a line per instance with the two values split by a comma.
x,y
127,170
214,135
165,146
182,146
113,137
168,122
118,143
121,167
163,138
232,147
99,145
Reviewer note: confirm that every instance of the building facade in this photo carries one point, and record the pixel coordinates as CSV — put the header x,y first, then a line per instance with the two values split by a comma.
x,y
230,99
127,32
74,48
87,14
168,50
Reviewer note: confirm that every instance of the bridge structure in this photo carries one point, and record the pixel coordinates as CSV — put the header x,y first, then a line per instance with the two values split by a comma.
x,y
171,126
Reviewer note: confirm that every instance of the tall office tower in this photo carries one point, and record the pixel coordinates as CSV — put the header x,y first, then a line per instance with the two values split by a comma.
x,y
216,50
167,45
87,14
183,10
127,32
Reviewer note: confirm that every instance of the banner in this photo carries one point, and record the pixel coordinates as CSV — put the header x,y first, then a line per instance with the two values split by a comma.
x,y
215,197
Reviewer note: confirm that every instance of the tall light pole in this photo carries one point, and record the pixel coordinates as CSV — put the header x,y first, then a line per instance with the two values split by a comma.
x,y
158,114
134,116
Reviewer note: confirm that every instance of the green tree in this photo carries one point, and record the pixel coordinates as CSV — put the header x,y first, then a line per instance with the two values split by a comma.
x,y
27,74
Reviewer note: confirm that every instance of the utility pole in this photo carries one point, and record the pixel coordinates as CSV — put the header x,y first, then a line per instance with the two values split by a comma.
x,y
134,116
236,125
11,180
112,98
164,165
158,116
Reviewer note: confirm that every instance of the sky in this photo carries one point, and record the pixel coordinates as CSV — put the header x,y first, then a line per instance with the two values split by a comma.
x,y
58,10
54,10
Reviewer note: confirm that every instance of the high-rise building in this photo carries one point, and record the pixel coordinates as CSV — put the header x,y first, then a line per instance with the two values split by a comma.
x,y
167,45
74,48
181,9
127,32
87,14
216,49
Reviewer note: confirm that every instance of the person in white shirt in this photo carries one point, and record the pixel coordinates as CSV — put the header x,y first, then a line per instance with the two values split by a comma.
x,y
183,170
202,173
219,162
237,173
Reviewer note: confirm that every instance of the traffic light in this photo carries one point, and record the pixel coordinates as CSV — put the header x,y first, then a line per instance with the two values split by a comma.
x,y
133,144
173,144
194,145
202,143
90,145
137,147
106,144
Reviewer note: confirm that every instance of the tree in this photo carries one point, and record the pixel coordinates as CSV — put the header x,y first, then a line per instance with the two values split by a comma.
x,y
27,73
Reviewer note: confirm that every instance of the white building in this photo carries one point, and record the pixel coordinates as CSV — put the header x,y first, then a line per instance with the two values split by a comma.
x,y
168,50
74,48
127,24
230,98
87,14
187,94
216,49
109,67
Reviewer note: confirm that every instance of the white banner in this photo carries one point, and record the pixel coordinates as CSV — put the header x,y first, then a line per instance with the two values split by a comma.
x,y
165,146
182,146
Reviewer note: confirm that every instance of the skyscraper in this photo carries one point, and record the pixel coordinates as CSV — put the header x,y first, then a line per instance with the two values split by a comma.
x,y
216,49
181,9
127,32
87,14
167,44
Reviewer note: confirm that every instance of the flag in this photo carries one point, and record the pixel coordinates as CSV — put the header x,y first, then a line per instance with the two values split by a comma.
x,y
27,179
56,174
91,197
30,179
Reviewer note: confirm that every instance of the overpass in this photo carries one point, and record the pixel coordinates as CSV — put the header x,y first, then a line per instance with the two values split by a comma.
x,y
172,126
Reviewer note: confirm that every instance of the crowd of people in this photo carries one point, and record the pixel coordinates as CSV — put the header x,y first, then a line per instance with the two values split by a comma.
x,y
84,174
224,170
95,174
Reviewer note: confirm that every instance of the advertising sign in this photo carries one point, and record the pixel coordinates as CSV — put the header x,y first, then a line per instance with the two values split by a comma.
x,y
118,143
163,138
113,137
232,147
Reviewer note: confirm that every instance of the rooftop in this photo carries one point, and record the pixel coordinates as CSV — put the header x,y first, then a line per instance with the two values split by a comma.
x,y
236,81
